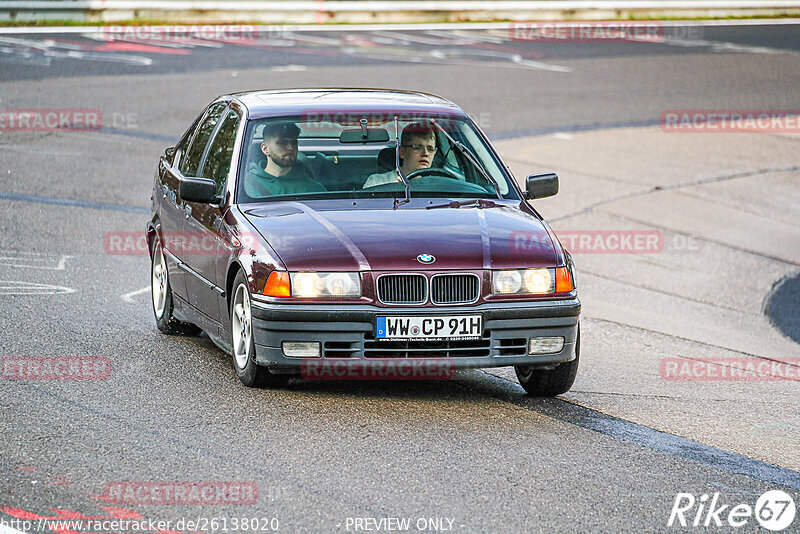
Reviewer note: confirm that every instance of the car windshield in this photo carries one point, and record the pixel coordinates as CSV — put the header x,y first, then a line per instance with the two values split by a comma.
x,y
353,155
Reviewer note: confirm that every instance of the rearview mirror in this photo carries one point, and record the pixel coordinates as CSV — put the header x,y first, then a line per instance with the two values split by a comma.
x,y
364,135
200,190
541,185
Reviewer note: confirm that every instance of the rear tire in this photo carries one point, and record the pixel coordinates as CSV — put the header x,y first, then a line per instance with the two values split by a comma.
x,y
161,297
550,382
243,341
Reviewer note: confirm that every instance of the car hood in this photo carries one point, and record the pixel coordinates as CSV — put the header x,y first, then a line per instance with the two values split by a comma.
x,y
336,239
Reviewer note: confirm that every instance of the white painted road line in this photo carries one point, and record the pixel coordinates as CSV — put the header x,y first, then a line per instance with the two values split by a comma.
x,y
128,297
539,65
719,46
18,288
289,68
32,260
450,55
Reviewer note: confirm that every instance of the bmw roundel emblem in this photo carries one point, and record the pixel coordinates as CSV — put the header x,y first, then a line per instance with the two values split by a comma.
x,y
426,259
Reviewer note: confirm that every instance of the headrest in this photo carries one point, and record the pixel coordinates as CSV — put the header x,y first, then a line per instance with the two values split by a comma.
x,y
386,158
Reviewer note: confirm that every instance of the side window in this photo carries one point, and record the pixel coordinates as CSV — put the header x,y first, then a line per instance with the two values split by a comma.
x,y
220,153
470,138
191,158
186,138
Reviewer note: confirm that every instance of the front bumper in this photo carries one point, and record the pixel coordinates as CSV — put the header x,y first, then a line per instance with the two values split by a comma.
x,y
347,331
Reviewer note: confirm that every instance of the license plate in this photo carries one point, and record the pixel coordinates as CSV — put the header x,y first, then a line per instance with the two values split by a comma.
x,y
428,328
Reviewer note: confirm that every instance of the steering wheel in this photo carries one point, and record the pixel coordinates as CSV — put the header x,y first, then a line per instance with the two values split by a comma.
x,y
441,171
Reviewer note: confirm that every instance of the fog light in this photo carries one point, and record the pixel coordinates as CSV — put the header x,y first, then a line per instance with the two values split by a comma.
x,y
301,349
545,345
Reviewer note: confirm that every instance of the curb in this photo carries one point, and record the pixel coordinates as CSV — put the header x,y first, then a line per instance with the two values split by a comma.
x,y
382,11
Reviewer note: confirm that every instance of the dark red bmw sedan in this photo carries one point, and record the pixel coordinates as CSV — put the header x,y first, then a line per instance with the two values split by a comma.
x,y
314,232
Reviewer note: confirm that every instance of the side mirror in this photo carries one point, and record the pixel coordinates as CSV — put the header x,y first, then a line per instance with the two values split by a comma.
x,y
541,185
200,190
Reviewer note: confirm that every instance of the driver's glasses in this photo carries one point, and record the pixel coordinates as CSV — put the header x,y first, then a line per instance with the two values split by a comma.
x,y
430,149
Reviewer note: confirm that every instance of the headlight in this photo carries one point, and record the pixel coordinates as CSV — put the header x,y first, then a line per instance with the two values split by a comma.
x,y
524,282
342,285
506,282
538,280
306,285
334,285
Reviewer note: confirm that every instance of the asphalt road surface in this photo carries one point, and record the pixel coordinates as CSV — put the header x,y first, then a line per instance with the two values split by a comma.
x,y
472,454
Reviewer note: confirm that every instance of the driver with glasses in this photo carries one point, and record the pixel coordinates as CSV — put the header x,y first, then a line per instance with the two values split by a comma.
x,y
417,149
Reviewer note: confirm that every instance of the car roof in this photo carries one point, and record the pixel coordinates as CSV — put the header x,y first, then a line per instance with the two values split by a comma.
x,y
276,103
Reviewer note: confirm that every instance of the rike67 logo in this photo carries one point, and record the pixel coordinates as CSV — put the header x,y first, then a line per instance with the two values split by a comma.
x,y
774,510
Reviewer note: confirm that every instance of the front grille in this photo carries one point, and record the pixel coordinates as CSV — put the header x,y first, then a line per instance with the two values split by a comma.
x,y
455,288
339,349
402,288
426,349
512,347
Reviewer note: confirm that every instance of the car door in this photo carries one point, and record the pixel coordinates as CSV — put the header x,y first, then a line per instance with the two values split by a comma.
x,y
170,209
204,222
185,163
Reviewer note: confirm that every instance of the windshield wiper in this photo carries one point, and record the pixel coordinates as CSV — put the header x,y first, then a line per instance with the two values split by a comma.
x,y
468,155
477,202
403,176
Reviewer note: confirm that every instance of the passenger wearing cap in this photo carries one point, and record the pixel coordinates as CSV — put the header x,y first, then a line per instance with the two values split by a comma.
x,y
417,149
282,174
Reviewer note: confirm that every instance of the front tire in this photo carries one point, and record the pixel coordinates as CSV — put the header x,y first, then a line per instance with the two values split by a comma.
x,y
243,342
550,382
161,297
